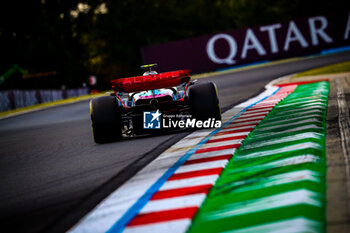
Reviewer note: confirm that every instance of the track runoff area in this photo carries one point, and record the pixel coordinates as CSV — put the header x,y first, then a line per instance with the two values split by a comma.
x,y
263,171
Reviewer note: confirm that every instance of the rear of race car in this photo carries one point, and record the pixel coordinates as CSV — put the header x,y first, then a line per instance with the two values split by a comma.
x,y
139,105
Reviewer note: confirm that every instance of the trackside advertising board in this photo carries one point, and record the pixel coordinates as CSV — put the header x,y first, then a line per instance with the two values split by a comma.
x,y
267,42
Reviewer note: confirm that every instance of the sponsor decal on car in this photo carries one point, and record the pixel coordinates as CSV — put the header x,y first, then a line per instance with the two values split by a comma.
x,y
157,120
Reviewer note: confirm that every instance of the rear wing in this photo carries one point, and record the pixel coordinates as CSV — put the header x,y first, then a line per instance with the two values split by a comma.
x,y
151,82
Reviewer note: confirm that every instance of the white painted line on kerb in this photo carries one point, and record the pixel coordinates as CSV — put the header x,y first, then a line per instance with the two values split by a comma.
x,y
280,179
223,143
296,129
300,146
229,135
297,197
293,138
212,154
258,111
173,203
312,116
300,159
175,226
230,128
288,226
312,120
202,180
247,114
198,167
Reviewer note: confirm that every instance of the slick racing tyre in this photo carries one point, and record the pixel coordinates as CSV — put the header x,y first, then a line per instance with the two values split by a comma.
x,y
204,101
105,119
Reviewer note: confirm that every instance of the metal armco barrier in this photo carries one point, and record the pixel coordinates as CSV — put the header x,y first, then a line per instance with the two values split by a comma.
x,y
279,40
14,99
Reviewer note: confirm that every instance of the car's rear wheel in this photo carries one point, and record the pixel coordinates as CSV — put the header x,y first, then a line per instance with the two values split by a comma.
x,y
105,119
204,101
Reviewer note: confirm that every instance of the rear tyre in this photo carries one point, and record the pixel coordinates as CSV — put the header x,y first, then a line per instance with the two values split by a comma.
x,y
105,119
204,101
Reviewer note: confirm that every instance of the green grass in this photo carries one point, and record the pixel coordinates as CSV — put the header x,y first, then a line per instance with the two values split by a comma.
x,y
336,68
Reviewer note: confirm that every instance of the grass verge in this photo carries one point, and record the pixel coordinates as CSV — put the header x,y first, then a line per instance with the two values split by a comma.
x,y
330,69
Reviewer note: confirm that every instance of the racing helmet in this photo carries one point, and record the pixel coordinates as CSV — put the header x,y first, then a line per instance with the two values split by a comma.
x,y
149,67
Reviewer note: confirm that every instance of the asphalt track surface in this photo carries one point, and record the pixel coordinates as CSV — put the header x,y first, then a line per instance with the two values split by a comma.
x,y
52,173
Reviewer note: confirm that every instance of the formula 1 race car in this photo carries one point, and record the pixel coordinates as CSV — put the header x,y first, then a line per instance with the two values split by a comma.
x,y
123,112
